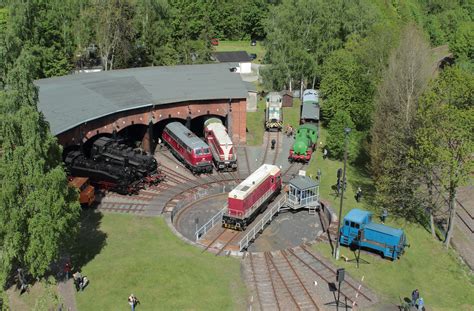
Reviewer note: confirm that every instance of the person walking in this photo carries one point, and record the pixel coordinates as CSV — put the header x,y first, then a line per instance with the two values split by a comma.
x,y
384,216
67,269
133,301
414,297
358,194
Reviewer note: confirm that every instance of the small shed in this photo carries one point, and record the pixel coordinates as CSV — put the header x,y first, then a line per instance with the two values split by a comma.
x,y
303,192
238,57
287,98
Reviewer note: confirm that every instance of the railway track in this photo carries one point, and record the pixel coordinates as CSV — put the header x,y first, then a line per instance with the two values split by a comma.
x,y
291,170
270,137
222,240
284,280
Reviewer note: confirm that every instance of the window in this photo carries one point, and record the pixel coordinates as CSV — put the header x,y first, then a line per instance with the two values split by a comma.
x,y
352,224
347,223
357,226
272,180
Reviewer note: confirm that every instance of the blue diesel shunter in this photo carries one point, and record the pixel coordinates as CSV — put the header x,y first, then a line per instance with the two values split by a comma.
x,y
358,230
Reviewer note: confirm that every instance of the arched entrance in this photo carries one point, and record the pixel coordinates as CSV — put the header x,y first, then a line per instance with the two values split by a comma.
x,y
87,146
197,124
133,135
160,125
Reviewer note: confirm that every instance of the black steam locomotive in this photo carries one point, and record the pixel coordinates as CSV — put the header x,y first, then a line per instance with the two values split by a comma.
x,y
108,176
115,166
111,151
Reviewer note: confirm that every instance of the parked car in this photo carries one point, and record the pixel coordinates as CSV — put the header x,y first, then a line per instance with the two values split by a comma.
x,y
253,42
253,56
214,41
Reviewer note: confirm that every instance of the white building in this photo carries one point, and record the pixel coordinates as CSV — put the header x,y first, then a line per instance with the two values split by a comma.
x,y
240,58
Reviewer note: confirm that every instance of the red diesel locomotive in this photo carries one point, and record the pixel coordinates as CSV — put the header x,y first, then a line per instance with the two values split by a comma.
x,y
251,196
188,148
220,144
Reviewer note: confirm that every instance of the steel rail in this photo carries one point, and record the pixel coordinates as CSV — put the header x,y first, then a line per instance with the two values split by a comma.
x,y
299,279
252,267
266,148
271,281
192,189
247,160
276,148
215,239
333,271
316,272
270,260
235,234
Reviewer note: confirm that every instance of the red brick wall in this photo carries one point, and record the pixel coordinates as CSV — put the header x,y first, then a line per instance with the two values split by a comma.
x,y
120,120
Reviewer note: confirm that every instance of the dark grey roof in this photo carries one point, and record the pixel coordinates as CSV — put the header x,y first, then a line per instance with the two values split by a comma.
x,y
71,100
310,111
303,182
186,136
250,86
237,56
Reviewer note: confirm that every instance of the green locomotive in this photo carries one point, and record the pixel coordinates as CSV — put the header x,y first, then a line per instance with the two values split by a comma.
x,y
305,143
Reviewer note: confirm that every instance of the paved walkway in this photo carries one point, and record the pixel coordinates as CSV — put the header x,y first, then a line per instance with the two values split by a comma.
x,y
67,291
463,237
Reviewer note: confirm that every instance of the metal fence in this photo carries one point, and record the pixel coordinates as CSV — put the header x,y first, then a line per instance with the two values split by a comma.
x,y
250,236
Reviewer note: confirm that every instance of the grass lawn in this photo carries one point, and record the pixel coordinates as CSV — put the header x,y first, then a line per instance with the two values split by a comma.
x,y
142,256
256,122
229,46
291,115
443,281
42,296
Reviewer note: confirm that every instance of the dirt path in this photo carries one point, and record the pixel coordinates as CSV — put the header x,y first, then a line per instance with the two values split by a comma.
x,y
67,292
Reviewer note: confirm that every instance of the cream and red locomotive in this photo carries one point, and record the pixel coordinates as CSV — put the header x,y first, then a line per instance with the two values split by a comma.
x,y
188,148
251,197
220,144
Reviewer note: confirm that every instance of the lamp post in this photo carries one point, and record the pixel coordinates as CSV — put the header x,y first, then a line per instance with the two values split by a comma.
x,y
347,130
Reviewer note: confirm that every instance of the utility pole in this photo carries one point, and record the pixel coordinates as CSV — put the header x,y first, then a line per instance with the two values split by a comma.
x,y
347,130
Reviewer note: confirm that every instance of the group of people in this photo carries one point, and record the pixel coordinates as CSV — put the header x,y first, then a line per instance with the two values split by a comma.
x,y
80,281
417,301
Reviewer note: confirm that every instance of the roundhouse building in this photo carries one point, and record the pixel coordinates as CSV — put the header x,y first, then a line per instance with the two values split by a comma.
x,y
139,102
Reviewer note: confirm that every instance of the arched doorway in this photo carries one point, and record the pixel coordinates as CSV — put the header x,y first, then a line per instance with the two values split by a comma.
x,y
87,146
160,125
132,135
197,124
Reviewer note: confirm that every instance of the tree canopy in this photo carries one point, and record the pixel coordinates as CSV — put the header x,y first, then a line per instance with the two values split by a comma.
x,y
38,211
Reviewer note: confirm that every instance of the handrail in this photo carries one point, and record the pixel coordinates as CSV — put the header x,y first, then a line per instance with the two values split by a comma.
x,y
244,242
209,224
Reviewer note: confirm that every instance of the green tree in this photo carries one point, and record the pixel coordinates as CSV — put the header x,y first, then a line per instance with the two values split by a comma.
x,y
462,44
394,123
346,87
112,24
39,213
311,30
444,138
336,137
